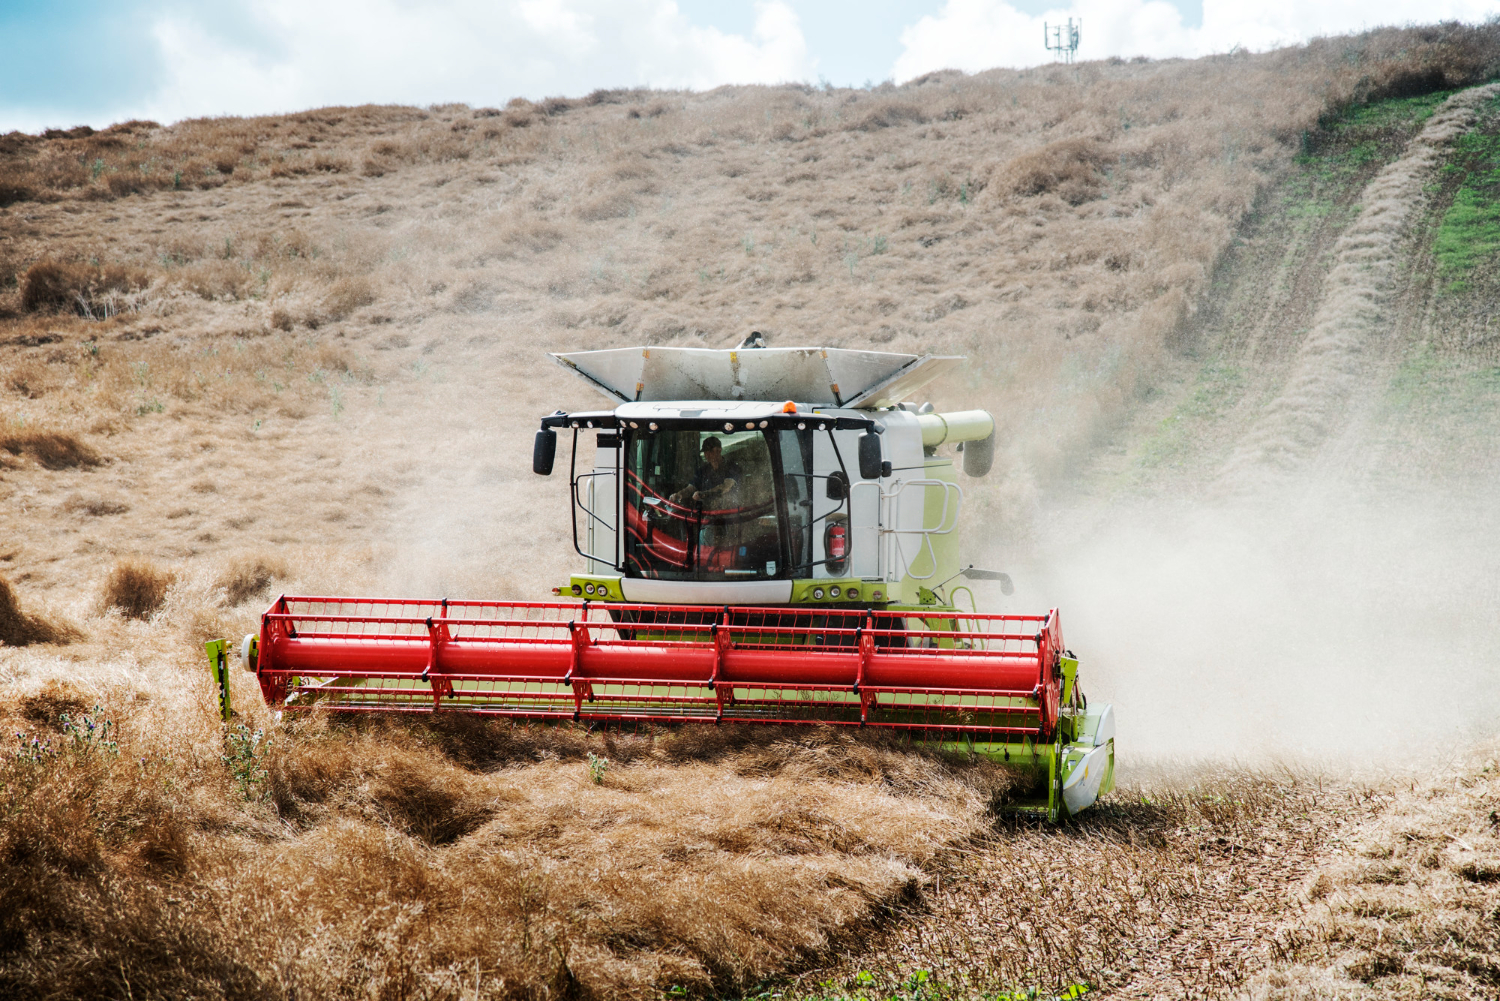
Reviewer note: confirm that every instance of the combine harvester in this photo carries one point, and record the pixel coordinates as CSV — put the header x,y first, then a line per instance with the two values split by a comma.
x,y
768,536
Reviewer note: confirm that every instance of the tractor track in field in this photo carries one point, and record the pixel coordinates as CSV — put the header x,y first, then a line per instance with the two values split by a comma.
x,y
1322,411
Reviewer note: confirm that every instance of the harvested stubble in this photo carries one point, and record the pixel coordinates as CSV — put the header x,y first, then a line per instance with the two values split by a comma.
x,y
1175,887
1412,908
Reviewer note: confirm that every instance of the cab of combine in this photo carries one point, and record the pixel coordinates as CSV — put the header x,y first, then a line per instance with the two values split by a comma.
x,y
835,497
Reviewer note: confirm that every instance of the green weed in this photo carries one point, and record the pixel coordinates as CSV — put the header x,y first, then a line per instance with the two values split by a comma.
x,y
36,750
597,767
246,755
917,986
90,732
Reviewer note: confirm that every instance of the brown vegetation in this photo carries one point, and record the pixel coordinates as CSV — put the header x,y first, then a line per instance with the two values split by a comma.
x,y
18,628
49,285
1070,167
137,588
50,449
703,858
246,576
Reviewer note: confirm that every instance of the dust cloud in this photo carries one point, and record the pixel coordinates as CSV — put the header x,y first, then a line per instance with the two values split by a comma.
x,y
1315,628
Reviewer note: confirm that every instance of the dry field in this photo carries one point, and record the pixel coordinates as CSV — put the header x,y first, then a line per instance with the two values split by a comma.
x,y
305,354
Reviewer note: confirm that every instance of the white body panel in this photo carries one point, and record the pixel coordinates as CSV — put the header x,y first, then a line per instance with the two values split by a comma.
x,y
690,592
817,376
1082,786
1101,728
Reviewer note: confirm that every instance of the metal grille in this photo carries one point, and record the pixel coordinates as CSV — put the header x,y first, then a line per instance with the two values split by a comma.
x,y
981,677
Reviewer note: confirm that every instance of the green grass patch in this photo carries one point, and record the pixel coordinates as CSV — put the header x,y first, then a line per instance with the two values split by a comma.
x,y
1432,385
1468,234
1348,148
1219,388
1399,111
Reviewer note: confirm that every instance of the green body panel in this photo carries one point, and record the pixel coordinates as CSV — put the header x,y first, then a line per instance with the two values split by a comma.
x,y
218,667
606,587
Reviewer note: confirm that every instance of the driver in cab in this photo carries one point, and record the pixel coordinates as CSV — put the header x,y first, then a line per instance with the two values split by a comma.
x,y
715,478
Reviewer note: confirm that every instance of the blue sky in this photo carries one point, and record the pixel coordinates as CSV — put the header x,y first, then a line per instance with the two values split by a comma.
x,y
90,62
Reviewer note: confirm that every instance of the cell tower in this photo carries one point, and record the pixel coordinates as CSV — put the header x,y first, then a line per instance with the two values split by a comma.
x,y
1062,38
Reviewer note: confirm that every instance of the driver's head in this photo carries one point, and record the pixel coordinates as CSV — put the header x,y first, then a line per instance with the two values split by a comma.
x,y
713,451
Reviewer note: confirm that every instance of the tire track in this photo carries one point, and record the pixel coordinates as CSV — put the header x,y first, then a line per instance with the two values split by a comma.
x,y
1352,320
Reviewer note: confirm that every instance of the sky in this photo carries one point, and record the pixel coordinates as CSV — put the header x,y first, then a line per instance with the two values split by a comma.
x,y
93,62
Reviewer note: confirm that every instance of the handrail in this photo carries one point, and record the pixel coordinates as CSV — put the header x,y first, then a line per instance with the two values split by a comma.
x,y
890,503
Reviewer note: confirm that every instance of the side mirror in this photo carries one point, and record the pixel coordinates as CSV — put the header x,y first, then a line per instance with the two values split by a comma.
x,y
838,487
979,455
870,458
543,452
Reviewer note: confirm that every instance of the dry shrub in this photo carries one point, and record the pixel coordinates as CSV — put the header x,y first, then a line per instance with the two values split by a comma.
x,y
610,205
45,706
29,378
18,628
244,577
347,295
10,267
138,588
15,188
216,279
132,182
54,285
1068,167
891,114
93,506
50,449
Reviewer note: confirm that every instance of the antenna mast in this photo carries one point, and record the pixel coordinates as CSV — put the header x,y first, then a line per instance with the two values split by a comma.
x,y
1062,38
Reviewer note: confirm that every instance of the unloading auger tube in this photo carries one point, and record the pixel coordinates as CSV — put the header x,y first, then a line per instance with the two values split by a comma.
x,y
747,559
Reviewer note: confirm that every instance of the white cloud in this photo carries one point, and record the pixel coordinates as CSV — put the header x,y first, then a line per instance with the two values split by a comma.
x,y
307,54
980,34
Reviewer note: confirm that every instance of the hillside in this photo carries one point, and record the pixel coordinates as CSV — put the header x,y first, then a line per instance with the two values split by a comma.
x,y
1235,318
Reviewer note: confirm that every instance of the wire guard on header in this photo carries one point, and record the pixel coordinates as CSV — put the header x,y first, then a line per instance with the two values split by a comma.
x,y
974,677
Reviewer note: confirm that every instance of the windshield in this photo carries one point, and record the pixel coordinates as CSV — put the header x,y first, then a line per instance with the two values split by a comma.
x,y
707,505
